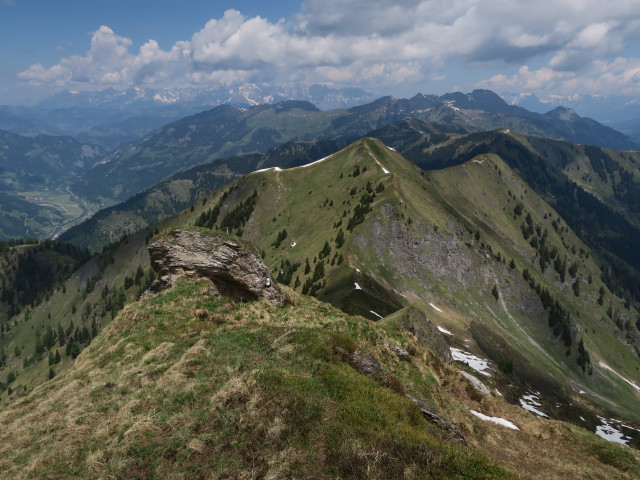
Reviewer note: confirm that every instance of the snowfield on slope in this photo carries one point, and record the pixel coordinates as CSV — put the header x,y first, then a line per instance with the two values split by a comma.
x,y
531,402
478,364
444,330
498,420
609,430
435,308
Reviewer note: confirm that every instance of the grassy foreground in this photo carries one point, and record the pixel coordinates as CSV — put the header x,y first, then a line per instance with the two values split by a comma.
x,y
183,386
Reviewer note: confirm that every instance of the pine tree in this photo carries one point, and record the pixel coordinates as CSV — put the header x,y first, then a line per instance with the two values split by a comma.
x,y
340,239
62,338
495,292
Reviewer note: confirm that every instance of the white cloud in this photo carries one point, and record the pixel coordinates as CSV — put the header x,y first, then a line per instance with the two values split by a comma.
x,y
607,77
369,43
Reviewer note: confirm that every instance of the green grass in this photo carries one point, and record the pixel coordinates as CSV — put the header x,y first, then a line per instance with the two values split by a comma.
x,y
161,392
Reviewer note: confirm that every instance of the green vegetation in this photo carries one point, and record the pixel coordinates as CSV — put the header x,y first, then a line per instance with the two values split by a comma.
x,y
426,240
249,390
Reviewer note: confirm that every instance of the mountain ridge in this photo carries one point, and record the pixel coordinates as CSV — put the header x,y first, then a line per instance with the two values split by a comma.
x,y
191,141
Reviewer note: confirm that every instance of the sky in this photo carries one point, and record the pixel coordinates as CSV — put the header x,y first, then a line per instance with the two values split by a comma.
x,y
546,47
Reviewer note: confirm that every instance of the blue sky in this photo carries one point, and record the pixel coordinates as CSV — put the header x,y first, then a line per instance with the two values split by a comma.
x,y
547,47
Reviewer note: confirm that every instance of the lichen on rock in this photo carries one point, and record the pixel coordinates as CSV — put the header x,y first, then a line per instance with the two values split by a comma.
x,y
234,270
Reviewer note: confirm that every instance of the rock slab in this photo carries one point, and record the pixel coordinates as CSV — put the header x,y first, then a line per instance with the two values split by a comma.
x,y
233,270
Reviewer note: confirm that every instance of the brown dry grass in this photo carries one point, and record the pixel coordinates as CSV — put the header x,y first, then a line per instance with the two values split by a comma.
x,y
162,394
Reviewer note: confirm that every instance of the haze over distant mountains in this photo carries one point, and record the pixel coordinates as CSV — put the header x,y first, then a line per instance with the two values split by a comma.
x,y
322,96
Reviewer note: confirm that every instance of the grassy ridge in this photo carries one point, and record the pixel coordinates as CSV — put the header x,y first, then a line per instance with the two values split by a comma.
x,y
253,391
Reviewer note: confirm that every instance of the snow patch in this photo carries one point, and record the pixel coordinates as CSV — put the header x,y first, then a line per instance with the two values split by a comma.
x,y
498,392
277,169
498,420
531,402
293,244
391,148
478,364
609,431
436,308
444,330
358,287
607,367
376,314
313,163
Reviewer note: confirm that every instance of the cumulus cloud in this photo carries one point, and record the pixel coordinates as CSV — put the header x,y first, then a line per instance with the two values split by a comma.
x,y
617,76
369,43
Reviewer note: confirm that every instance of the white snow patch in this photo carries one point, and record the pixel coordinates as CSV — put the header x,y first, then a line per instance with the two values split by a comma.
x,y
609,431
630,428
498,392
376,314
436,308
582,418
293,244
498,420
391,148
313,163
358,287
277,169
444,330
531,402
478,364
581,392
607,367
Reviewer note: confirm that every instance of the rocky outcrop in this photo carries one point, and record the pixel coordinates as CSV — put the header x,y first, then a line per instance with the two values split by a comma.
x,y
431,416
233,270
416,322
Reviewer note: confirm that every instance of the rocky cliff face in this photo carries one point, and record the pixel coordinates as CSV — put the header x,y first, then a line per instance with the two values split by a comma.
x,y
233,270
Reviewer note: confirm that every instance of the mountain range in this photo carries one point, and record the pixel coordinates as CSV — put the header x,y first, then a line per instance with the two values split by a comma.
x,y
242,95
226,130
470,261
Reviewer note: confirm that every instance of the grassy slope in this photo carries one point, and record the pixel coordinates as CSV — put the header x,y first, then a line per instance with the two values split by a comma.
x,y
433,218
253,391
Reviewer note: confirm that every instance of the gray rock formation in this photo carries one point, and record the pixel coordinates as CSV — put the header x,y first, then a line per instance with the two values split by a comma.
x,y
234,270
416,322
429,413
